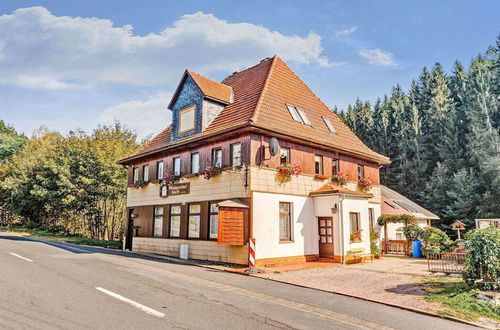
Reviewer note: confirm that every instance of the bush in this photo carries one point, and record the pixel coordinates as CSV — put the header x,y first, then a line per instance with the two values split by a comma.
x,y
435,240
483,249
374,249
412,232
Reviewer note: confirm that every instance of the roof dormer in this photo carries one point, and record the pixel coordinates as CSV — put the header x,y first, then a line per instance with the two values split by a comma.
x,y
196,102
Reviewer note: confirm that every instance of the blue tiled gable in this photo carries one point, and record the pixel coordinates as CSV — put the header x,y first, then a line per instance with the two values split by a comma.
x,y
188,95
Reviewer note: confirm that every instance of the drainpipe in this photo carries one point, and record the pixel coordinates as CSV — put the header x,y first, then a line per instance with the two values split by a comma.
x,y
341,217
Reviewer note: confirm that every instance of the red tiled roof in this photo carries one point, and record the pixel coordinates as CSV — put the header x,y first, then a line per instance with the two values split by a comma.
x,y
211,88
159,141
331,189
260,97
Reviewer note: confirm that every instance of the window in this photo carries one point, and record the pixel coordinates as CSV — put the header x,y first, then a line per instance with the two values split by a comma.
x,y
294,113
284,155
145,172
158,221
175,221
285,222
177,165
217,157
361,172
329,124
186,119
399,236
303,116
194,221
355,225
318,164
195,162
236,154
160,169
135,174
335,166
371,217
214,221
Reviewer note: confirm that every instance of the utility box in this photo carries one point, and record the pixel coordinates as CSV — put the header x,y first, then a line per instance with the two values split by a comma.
x,y
183,251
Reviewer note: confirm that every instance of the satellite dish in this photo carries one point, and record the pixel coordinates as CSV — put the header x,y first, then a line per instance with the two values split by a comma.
x,y
273,146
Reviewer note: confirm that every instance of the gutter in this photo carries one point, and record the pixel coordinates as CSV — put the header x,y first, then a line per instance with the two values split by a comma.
x,y
341,218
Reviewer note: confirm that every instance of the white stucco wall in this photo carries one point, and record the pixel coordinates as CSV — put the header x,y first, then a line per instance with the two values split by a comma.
x,y
210,110
266,226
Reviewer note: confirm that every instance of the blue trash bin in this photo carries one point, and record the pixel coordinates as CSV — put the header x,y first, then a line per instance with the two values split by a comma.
x,y
417,249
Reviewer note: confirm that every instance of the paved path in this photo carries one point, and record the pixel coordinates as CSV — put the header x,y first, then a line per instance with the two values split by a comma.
x,y
62,286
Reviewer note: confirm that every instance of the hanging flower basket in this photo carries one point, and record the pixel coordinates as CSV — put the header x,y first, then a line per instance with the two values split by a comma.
x,y
340,179
140,183
171,177
285,172
365,184
211,171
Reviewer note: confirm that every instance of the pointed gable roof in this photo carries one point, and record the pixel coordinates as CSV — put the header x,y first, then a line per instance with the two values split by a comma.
x,y
210,88
261,94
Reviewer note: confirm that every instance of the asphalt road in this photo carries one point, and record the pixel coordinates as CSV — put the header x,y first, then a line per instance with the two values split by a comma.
x,y
47,285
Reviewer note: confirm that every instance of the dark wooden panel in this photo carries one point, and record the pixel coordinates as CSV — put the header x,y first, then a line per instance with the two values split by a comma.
x,y
204,221
184,221
166,221
152,170
130,173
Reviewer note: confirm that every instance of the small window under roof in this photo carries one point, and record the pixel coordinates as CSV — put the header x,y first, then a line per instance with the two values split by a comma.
x,y
405,205
391,205
329,125
295,115
303,116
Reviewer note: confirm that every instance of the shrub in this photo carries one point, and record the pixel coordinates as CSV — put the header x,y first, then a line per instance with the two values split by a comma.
x,y
435,240
483,249
412,232
374,248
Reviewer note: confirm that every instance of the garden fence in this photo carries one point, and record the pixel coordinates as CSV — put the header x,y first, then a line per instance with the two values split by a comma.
x,y
445,262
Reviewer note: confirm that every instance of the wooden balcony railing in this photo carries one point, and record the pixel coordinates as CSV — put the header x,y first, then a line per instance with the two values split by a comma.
x,y
396,247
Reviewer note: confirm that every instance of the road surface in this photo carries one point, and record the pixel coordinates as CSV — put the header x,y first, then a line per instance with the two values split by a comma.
x,y
47,285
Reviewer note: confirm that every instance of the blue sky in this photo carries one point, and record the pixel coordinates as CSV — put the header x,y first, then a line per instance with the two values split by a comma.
x,y
78,64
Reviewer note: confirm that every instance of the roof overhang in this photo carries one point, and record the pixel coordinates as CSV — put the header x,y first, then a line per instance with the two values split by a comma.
x,y
235,202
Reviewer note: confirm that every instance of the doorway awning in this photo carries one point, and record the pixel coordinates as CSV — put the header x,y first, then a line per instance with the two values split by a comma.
x,y
235,202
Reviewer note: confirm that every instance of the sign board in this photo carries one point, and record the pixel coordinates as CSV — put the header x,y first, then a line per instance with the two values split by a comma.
x,y
174,189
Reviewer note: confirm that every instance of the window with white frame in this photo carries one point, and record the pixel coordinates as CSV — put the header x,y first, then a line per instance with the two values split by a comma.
x,y
195,162
284,155
175,221
187,119
145,172
158,221
194,220
318,164
355,226
329,124
235,154
371,217
217,157
135,174
361,172
214,221
177,165
285,221
160,170
335,166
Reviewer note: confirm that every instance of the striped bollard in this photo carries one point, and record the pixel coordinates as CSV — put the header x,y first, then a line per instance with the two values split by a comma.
x,y
251,253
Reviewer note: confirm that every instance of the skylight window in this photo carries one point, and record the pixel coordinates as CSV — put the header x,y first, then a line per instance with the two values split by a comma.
x,y
302,114
329,125
294,113
298,115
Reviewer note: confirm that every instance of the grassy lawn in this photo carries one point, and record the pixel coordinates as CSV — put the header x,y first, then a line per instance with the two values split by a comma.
x,y
459,299
60,236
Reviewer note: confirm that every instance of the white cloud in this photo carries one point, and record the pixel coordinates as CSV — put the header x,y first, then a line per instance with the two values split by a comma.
x,y
346,32
144,117
40,50
378,57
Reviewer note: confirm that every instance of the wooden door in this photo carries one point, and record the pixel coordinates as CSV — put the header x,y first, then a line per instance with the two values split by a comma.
x,y
130,229
325,227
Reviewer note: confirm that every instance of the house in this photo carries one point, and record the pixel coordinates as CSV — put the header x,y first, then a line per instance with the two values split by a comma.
x,y
243,129
394,203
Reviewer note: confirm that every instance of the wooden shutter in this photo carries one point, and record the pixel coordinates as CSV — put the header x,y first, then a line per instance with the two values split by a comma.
x,y
166,221
231,226
130,174
153,167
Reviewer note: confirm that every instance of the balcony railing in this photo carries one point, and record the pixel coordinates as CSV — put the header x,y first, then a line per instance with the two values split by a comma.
x,y
396,247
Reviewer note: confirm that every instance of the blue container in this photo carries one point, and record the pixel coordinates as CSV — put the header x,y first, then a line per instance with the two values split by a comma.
x,y
417,249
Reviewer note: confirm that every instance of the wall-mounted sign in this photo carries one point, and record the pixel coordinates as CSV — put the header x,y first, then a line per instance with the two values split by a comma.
x,y
179,189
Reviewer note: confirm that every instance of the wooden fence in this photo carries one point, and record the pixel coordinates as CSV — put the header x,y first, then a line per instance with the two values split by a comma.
x,y
445,262
396,247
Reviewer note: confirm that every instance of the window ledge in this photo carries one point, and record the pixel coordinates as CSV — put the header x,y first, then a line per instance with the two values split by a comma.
x,y
285,241
321,177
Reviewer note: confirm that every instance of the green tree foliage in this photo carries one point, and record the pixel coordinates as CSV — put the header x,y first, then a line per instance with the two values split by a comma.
x,y
483,251
70,181
443,138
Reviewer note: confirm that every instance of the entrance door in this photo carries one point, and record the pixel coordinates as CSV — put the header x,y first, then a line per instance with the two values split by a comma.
x,y
130,230
325,227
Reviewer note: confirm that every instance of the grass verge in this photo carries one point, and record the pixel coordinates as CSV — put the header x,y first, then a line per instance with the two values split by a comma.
x,y
459,299
59,236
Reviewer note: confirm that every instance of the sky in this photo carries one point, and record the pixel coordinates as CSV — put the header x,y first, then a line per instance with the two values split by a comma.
x,y
70,65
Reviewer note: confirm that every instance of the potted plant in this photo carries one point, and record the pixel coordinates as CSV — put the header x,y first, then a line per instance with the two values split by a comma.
x,y
171,177
285,172
211,171
356,236
340,179
365,184
140,183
